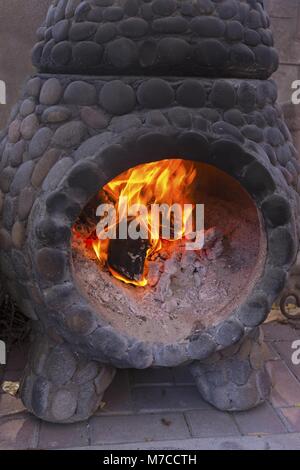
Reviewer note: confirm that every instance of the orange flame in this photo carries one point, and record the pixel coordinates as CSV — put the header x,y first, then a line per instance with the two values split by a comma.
x,y
165,182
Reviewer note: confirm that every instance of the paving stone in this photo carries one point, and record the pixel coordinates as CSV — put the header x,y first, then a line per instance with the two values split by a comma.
x,y
260,420
138,428
19,433
10,405
160,376
286,389
60,436
209,423
153,399
291,417
280,332
284,349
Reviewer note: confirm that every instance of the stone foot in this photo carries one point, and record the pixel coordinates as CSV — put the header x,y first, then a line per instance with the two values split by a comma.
x,y
235,379
61,386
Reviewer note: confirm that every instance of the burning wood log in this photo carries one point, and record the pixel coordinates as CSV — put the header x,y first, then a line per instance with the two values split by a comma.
x,y
127,257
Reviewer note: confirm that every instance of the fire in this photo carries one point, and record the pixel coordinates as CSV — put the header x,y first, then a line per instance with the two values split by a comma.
x,y
165,182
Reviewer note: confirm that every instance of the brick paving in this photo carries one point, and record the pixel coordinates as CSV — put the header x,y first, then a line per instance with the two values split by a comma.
x,y
161,409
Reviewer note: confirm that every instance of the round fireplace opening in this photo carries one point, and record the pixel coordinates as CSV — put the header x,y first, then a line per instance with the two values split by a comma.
x,y
156,278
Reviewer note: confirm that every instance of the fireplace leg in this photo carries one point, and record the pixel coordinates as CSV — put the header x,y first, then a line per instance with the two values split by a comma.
x,y
235,379
61,386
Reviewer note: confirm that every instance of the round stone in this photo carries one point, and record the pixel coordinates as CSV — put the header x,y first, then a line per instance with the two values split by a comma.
x,y
281,246
255,311
226,129
14,131
87,54
80,320
18,234
253,133
171,25
84,176
33,87
16,153
234,117
276,211
70,134
82,11
229,333
266,57
29,126
227,9
105,33
113,13
164,7
180,117
50,264
122,53
117,98
40,142
241,55
201,347
274,136
22,178
134,27
64,405
27,107
131,7
234,31
211,53
60,30
82,31
51,92
94,118
208,26
60,365
56,114
173,50
62,53
44,166
80,93
191,94
155,93
223,94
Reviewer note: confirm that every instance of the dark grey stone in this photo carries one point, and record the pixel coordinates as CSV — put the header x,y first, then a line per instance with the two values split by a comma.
x,y
246,97
155,93
229,332
105,32
87,54
281,247
208,26
276,211
131,7
175,25
51,92
84,176
201,347
60,30
241,55
117,98
70,134
80,93
234,31
224,128
164,7
191,94
40,142
134,27
173,51
223,95
22,178
82,31
62,53
253,133
50,264
113,13
56,114
255,311
60,365
122,53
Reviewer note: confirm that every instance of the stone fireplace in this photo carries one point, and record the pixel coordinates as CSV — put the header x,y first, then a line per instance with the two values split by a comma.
x,y
175,95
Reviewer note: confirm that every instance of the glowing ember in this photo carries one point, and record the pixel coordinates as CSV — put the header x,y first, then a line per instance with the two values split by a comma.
x,y
166,182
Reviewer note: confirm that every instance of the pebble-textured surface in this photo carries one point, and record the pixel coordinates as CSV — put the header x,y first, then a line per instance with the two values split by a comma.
x,y
228,38
69,150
